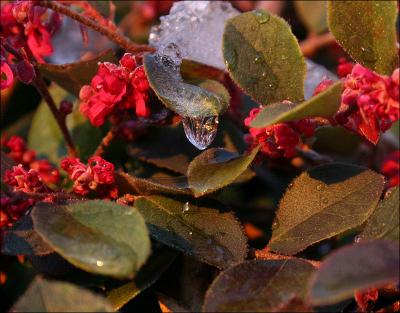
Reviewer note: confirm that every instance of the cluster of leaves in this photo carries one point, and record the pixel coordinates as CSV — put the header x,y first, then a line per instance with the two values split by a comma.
x,y
177,227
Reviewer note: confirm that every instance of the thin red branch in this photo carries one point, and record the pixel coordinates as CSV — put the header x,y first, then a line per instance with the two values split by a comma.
x,y
105,142
113,35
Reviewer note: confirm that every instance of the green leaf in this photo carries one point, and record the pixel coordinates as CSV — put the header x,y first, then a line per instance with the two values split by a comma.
x,y
147,276
323,202
72,76
184,99
216,168
263,57
101,237
384,221
258,286
211,235
367,31
46,138
324,104
54,296
352,268
22,239
313,15
147,186
336,140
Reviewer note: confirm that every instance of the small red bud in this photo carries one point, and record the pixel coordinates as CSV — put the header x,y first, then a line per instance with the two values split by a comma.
x,y
25,71
66,107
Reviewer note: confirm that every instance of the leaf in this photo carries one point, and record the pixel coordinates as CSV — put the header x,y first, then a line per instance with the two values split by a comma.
x,y
184,99
192,69
258,286
263,57
216,168
54,296
324,104
211,235
147,276
355,267
22,239
384,221
367,31
46,138
72,76
101,237
146,186
336,140
313,15
323,202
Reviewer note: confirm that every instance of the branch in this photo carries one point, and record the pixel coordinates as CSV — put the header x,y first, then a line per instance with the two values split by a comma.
x,y
41,86
313,43
113,35
105,142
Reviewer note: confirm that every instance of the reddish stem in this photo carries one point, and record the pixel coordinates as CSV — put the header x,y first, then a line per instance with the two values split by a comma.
x,y
105,142
113,35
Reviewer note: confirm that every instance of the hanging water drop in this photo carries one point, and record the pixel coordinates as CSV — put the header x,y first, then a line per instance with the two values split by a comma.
x,y
262,16
357,239
275,224
200,131
186,207
259,58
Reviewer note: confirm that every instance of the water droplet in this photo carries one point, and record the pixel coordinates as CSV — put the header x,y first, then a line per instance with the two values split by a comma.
x,y
320,187
368,54
99,263
262,16
190,233
200,131
290,186
230,59
259,58
325,200
186,207
357,239
284,57
275,224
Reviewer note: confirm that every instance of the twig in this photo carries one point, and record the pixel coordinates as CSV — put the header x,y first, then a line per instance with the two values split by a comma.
x,y
313,156
113,35
313,43
105,142
41,86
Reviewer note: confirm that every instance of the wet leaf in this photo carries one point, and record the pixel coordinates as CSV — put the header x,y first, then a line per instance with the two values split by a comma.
x,y
258,286
324,104
22,239
216,168
313,15
367,31
184,99
147,186
384,221
323,202
97,236
208,234
72,76
54,296
46,138
147,276
355,267
263,57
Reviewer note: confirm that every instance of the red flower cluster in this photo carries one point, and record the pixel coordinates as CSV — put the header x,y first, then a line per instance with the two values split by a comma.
x,y
370,102
391,169
363,299
97,176
122,87
344,68
12,208
280,139
23,180
25,25
17,150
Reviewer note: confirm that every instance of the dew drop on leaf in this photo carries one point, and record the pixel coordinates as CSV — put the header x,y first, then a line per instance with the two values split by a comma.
x,y
231,59
320,187
368,54
262,16
200,131
275,224
186,207
259,58
357,239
